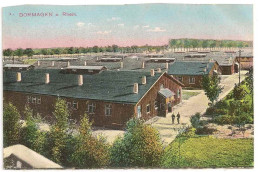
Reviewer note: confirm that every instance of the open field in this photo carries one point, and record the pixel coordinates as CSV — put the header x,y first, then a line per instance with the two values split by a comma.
x,y
209,152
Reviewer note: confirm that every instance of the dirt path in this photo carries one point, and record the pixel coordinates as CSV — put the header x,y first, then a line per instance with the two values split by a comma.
x,y
199,103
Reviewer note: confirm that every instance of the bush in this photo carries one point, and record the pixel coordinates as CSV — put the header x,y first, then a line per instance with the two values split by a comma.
x,y
195,120
140,146
89,152
205,131
224,119
12,126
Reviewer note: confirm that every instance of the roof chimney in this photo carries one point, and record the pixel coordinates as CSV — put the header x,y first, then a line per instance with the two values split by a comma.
x,y
68,63
47,78
18,77
52,63
205,69
166,65
159,70
85,63
142,65
121,64
135,90
144,80
38,63
80,80
152,72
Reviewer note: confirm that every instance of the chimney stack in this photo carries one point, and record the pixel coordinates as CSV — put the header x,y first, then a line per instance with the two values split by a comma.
x,y
152,72
142,65
80,80
18,77
159,70
47,78
167,65
135,90
121,64
38,63
52,63
68,64
85,63
144,80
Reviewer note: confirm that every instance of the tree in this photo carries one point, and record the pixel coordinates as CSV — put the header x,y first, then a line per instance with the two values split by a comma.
x,y
12,125
96,49
90,152
140,146
59,130
211,87
29,52
8,52
19,52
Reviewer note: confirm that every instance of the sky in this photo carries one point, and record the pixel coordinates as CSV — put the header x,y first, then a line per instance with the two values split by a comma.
x,y
123,25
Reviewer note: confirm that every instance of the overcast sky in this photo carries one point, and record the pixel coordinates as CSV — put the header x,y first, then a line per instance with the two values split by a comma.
x,y
124,25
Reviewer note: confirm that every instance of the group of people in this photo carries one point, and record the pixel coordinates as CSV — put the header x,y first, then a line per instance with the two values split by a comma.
x,y
178,118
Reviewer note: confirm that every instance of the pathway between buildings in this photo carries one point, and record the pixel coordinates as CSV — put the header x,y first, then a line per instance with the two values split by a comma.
x,y
199,103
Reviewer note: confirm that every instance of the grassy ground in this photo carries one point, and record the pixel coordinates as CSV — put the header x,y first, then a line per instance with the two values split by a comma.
x,y
30,61
209,152
188,94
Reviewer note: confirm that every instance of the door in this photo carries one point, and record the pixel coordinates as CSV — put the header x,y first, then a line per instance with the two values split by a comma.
x,y
169,107
139,114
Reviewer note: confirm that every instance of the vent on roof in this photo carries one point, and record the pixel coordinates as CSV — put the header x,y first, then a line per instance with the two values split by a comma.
x,y
121,64
144,80
80,80
85,63
135,89
52,63
47,78
152,72
18,77
38,63
143,65
68,64
166,65
159,70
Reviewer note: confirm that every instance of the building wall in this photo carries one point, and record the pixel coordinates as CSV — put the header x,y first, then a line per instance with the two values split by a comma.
x,y
186,80
227,70
245,62
120,113
152,96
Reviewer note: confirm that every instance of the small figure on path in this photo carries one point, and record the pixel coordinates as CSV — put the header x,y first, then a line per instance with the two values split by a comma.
x,y
178,117
173,117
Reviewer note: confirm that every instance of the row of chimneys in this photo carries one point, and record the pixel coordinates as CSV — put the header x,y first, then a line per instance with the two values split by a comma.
x,y
80,80
53,63
85,63
47,78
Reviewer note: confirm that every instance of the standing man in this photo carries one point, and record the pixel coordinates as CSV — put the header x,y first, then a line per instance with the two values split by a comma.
x,y
173,117
178,117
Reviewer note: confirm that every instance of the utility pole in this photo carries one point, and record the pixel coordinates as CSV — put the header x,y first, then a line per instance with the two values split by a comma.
x,y
239,64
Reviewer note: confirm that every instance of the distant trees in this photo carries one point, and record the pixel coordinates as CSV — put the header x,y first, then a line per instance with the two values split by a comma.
x,y
19,52
210,84
206,43
140,146
12,125
29,52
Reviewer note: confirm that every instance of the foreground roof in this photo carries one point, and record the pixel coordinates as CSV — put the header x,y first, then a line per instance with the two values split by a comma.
x,y
115,86
165,92
17,65
190,68
29,156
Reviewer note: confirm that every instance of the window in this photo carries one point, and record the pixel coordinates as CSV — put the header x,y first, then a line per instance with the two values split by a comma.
x,y
108,109
68,104
39,100
148,108
180,78
139,111
178,93
34,99
29,99
18,164
155,105
91,108
192,80
75,105
161,86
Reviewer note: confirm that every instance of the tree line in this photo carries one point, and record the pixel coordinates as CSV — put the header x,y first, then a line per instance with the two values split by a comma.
x,y
29,52
207,43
